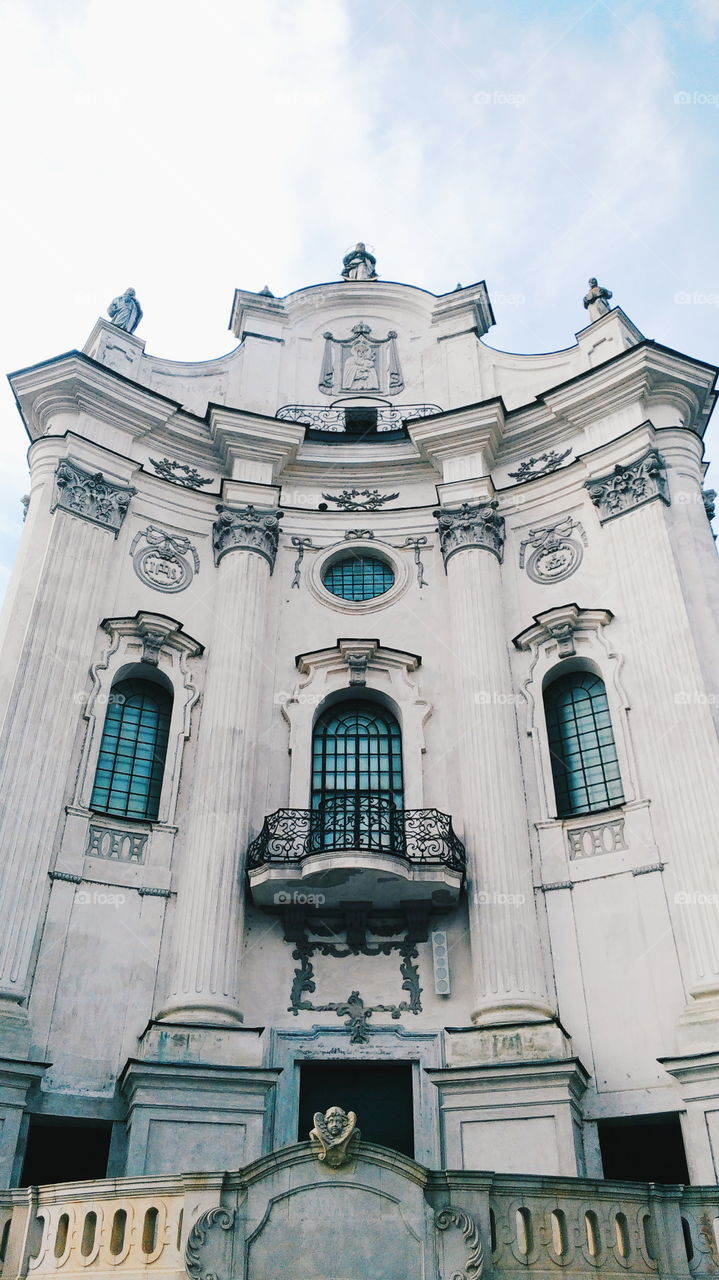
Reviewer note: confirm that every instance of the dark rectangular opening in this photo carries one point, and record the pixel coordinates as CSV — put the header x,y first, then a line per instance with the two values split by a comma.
x,y
643,1149
65,1150
379,1092
360,421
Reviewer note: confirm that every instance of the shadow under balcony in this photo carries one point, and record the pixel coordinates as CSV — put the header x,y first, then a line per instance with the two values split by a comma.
x,y
357,848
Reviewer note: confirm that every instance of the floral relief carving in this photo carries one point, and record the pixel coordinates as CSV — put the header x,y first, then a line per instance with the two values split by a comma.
x,y
90,496
629,486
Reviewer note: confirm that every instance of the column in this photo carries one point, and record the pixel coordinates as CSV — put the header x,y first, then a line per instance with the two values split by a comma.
x,y
207,940
50,683
506,949
672,727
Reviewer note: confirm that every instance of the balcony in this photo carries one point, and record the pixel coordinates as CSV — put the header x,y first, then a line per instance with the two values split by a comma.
x,y
477,1224
357,848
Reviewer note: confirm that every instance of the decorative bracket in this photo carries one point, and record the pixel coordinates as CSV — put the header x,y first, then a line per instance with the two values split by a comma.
x,y
474,1265
197,1266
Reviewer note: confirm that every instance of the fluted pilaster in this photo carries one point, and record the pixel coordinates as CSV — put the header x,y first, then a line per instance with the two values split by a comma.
x,y
506,948
39,730
673,734
208,927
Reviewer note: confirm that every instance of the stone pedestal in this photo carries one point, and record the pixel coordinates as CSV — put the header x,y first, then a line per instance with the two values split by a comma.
x,y
513,1117
510,984
208,926
16,1081
190,1117
697,1075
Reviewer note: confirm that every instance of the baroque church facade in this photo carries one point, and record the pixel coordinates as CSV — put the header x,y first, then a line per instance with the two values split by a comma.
x,y
360,776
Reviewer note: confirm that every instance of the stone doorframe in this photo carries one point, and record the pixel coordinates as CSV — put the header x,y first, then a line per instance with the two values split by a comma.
x,y
422,1049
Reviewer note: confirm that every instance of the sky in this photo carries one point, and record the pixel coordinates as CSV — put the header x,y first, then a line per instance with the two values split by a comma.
x,y
189,148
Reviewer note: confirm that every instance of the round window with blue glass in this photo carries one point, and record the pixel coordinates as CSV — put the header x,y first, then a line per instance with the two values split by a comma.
x,y
358,577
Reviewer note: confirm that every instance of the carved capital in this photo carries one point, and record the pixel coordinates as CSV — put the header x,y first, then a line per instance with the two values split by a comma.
x,y
90,496
246,529
629,486
468,526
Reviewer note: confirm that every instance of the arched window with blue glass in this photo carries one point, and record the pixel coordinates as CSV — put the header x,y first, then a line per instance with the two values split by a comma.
x,y
131,763
357,788
585,764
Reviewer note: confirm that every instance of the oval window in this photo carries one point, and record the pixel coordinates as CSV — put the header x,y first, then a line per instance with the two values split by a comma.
x,y
360,577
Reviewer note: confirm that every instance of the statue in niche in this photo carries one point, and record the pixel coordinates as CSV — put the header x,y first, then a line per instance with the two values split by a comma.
x,y
358,264
596,301
332,1135
125,311
360,368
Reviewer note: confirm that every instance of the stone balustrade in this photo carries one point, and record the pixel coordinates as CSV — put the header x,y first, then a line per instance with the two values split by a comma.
x,y
504,1225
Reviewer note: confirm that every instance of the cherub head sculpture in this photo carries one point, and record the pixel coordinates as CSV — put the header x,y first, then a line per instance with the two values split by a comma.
x,y
332,1135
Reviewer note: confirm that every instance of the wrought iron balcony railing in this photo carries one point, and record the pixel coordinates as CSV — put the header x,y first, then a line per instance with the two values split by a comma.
x,y
367,823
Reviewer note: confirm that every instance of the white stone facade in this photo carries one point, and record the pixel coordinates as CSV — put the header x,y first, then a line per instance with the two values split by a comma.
x,y
536,513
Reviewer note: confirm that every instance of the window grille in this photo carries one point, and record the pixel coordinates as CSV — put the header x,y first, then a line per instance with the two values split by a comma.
x,y
358,578
585,765
131,763
357,778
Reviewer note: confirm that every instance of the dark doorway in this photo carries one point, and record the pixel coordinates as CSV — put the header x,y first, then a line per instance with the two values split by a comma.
x,y
60,1150
379,1092
644,1149
361,421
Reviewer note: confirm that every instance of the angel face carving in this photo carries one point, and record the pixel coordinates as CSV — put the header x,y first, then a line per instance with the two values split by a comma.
x,y
332,1135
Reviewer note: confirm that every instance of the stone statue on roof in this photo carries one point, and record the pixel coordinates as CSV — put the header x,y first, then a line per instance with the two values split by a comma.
x,y
125,311
358,264
596,301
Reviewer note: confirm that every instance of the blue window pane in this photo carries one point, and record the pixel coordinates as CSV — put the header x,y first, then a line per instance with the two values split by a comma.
x,y
131,760
356,778
358,578
583,752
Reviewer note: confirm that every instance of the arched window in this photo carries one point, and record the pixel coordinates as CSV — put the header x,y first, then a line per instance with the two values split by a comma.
x,y
585,766
128,779
357,790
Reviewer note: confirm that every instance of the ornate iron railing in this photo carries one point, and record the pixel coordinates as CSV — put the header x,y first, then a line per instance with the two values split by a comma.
x,y
367,823
319,417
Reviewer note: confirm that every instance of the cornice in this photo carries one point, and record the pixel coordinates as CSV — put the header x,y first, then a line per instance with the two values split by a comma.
x,y
75,383
469,431
560,624
375,655
159,624
268,443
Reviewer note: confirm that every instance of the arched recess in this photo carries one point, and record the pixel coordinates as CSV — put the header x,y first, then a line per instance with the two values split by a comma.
x,y
564,640
360,670
146,647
